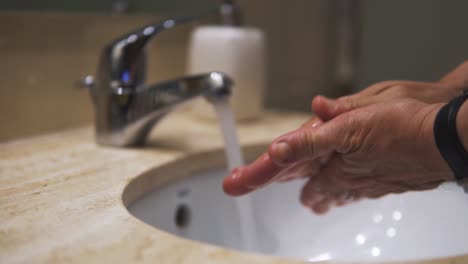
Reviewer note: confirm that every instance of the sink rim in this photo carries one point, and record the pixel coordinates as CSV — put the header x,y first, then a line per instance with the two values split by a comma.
x,y
193,163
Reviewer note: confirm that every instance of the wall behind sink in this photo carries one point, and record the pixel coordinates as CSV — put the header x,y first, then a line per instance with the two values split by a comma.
x,y
43,53
417,39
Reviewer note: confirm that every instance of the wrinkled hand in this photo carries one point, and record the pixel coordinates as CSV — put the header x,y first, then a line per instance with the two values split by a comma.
x,y
447,88
450,86
363,153
265,170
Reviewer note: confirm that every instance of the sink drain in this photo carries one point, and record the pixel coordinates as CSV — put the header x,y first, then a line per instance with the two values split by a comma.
x,y
182,216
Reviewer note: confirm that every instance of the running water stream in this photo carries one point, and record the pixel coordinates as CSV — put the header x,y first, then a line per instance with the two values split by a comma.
x,y
235,159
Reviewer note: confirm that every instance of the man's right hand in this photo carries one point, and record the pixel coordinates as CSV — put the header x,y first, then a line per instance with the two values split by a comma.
x,y
450,86
447,88
376,150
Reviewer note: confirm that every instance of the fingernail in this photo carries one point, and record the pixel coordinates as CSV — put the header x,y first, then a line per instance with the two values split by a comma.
x,y
316,124
321,208
282,151
235,173
232,185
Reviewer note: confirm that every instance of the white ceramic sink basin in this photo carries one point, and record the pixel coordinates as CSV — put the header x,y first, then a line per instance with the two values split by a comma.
x,y
412,226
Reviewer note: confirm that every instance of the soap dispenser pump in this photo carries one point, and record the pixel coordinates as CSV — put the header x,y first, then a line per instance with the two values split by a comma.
x,y
230,13
235,50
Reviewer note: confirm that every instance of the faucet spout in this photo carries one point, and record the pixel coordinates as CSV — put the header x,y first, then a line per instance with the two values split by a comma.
x,y
133,114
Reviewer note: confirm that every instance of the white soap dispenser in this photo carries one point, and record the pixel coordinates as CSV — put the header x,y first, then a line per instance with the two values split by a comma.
x,y
235,50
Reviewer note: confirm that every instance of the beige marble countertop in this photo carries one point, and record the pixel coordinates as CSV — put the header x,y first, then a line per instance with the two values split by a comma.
x,y
62,197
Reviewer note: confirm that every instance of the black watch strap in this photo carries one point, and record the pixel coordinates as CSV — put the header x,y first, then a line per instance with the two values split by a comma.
x,y
448,140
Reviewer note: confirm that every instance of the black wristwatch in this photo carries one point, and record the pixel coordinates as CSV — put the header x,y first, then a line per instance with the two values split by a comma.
x,y
448,141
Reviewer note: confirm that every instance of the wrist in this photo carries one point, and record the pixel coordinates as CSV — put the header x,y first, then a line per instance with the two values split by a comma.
x,y
449,140
435,162
462,125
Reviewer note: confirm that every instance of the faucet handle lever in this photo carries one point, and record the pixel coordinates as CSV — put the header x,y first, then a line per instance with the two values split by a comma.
x,y
123,61
140,37
85,83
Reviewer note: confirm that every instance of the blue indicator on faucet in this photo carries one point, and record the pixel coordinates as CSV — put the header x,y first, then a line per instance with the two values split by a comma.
x,y
126,77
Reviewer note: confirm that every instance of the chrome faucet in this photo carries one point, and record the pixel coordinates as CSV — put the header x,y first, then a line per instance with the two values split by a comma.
x,y
126,109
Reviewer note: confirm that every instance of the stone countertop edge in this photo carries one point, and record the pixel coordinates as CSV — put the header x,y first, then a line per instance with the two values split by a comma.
x,y
62,197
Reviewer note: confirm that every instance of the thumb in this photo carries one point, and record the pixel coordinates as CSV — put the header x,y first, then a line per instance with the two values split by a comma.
x,y
458,78
309,143
327,109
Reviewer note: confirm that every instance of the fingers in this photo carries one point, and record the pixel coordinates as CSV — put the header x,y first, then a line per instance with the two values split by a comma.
x,y
321,192
334,186
323,207
316,200
313,122
263,171
324,108
320,201
249,178
328,109
300,170
316,142
457,79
